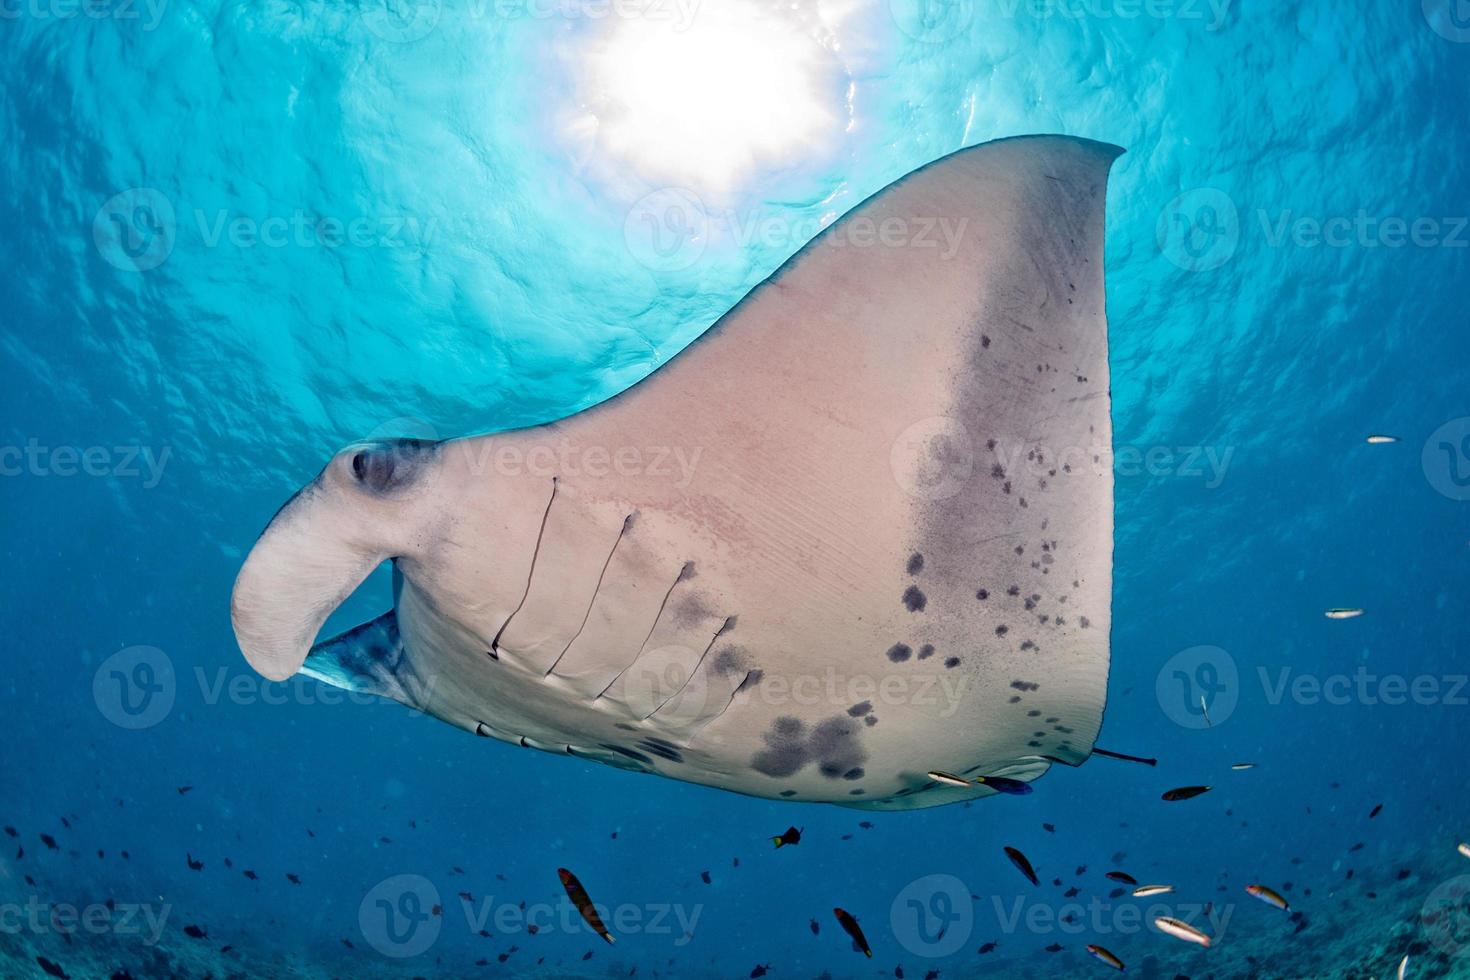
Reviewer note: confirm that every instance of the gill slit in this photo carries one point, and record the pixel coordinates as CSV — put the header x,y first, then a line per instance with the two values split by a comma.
x,y
688,567
494,650
724,628
627,523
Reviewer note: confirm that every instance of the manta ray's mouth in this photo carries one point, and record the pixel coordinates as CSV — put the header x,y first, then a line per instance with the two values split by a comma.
x,y
322,545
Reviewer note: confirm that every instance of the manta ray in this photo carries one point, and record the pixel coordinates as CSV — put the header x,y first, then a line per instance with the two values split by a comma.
x,y
885,549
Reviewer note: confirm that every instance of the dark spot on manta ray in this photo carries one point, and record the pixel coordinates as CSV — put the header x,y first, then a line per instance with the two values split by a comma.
x,y
856,792
952,662
833,744
916,563
926,651
860,709
788,792
899,652
690,610
1002,630
785,751
751,680
984,340
1025,686
731,660
982,595
914,599
1084,622
856,772
870,720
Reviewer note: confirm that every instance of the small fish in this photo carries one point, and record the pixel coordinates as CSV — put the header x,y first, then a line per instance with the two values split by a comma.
x,y
1381,440
1464,850
1122,876
293,879
1181,930
949,779
1343,613
851,927
11,832
184,789
791,836
1184,793
49,841
1124,756
1002,784
1106,956
1268,895
816,929
1054,948
194,932
583,904
1403,967
1050,828
1144,891
1204,710
1375,811
193,864
1242,766
252,875
704,877
866,825
1022,865
987,948
760,971
1072,892
52,968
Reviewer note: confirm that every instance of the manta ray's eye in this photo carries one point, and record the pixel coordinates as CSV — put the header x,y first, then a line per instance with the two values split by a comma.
x,y
373,468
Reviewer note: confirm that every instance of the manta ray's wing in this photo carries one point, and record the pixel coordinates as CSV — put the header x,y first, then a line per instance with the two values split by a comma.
x,y
901,447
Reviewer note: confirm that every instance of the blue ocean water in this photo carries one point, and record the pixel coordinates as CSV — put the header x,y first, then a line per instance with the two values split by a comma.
x,y
239,236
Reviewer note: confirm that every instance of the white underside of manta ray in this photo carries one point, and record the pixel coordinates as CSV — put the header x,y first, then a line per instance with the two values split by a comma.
x,y
893,554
